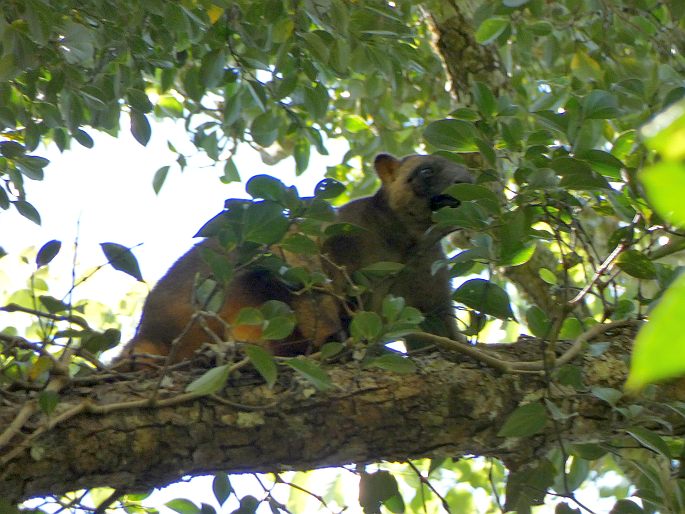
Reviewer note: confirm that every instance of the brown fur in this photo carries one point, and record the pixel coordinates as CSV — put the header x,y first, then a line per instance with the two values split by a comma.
x,y
168,311
396,222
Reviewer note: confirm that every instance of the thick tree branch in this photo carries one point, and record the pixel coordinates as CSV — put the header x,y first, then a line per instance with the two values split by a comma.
x,y
445,408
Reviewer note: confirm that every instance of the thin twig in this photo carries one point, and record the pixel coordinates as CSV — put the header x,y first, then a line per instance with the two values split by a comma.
x,y
426,482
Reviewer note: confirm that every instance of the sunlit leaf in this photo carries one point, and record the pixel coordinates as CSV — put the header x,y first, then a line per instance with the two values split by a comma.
x,y
490,30
668,201
659,350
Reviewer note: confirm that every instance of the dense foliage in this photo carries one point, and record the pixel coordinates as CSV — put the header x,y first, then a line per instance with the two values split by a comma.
x,y
576,217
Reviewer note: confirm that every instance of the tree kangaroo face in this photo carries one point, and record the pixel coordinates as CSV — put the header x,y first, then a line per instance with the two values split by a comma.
x,y
415,186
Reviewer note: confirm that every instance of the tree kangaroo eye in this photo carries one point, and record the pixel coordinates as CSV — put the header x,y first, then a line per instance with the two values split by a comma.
x,y
426,172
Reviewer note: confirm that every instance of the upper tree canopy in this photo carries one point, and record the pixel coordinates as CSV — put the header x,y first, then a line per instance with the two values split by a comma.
x,y
576,219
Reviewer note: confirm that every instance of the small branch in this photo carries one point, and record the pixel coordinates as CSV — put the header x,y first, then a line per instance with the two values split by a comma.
x,y
426,482
593,332
507,366
598,274
77,320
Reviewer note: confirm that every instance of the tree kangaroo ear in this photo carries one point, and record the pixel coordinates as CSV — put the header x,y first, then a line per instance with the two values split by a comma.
x,y
386,165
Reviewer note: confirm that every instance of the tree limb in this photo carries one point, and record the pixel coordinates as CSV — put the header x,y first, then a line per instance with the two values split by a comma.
x,y
445,408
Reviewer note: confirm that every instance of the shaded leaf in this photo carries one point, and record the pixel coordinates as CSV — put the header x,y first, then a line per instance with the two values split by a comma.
x,y
636,264
263,362
48,252
366,326
311,371
485,297
650,440
393,362
140,127
210,382
122,259
221,487
526,420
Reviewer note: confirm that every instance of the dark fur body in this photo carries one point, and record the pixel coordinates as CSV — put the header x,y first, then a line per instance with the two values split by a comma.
x,y
395,222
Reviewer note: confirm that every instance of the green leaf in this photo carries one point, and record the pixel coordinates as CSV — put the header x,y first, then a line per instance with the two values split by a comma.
x,y
538,321
379,488
140,127
454,135
366,326
328,189
263,362
139,100
588,451
210,382
249,316
212,68
468,215
52,304
525,421
484,99
332,349
485,297
221,487
650,440
299,243
122,259
478,194
264,128
12,149
316,101
636,264
31,166
159,178
231,173
265,223
48,252
393,362
27,210
659,351
600,105
311,371
48,401
576,174
354,123
83,138
528,485
266,187
607,394
278,327
392,307
666,132
490,30
603,163
667,201
183,506
565,508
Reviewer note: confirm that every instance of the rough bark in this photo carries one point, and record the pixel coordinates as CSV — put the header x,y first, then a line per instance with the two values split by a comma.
x,y
446,408
466,61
